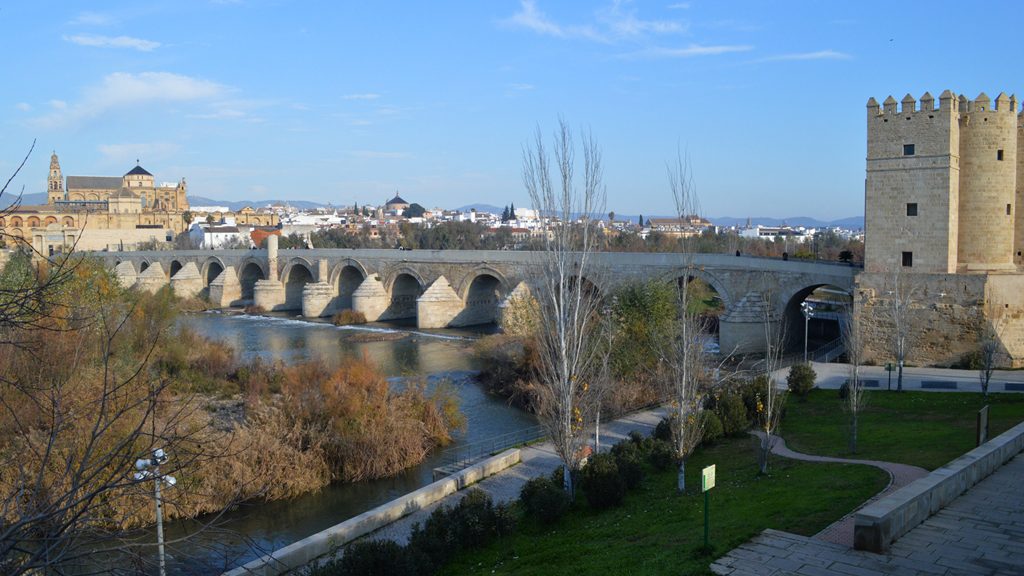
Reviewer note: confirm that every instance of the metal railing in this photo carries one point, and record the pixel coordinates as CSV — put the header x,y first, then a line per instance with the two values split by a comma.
x,y
828,352
458,457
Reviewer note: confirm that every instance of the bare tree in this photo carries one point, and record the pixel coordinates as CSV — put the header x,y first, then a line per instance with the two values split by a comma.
x,y
684,356
567,288
853,342
989,347
901,298
770,406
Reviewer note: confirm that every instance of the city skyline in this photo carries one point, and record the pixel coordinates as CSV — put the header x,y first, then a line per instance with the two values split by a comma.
x,y
349,103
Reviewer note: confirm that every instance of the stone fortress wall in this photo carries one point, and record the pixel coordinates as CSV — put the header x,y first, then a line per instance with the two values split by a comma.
x,y
942,191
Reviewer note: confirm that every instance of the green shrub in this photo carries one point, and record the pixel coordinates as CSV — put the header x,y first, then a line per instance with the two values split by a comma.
x,y
348,317
472,523
369,558
663,431
629,460
544,500
752,392
844,390
601,482
801,380
733,414
712,428
662,456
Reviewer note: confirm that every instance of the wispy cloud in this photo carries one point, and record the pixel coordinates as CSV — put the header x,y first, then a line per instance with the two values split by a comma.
x,y
128,152
679,6
691,51
121,90
378,155
23,106
615,22
521,86
93,19
364,96
113,42
819,55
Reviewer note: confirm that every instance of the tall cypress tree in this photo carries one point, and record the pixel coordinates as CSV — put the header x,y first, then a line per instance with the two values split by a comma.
x,y
512,212
641,221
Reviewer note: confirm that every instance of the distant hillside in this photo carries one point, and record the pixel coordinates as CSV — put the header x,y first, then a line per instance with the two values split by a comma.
x,y
853,222
239,204
27,200
482,208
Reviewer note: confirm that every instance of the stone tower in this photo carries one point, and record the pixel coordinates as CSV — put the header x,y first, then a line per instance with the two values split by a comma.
x,y
55,188
942,184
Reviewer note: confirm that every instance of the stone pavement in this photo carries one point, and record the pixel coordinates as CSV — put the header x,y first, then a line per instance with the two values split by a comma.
x,y
536,460
979,533
832,375
841,531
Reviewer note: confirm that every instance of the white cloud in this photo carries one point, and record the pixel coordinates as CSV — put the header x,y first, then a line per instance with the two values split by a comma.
x,y
618,21
531,18
113,42
129,152
366,96
521,86
691,51
93,19
819,55
23,106
679,6
122,89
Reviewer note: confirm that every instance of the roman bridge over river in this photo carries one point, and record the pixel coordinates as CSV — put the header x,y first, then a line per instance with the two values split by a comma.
x,y
449,288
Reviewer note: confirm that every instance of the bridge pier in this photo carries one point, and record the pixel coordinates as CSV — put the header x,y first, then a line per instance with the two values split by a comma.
x,y
370,298
741,330
187,283
268,294
125,274
152,278
438,306
225,289
316,299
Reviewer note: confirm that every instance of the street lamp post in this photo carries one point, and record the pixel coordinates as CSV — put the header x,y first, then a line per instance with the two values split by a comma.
x,y
150,468
807,310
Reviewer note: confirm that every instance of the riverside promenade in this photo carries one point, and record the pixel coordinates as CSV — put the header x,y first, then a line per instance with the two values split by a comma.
x,y
832,375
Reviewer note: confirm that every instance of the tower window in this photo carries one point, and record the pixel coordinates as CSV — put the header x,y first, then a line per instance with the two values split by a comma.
x,y
908,149
912,209
1009,210
999,155
908,259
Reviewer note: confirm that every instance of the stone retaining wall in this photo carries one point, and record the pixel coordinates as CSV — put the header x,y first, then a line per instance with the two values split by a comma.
x,y
878,525
301,553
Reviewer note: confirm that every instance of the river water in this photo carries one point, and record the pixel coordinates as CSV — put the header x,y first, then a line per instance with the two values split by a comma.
x,y
252,529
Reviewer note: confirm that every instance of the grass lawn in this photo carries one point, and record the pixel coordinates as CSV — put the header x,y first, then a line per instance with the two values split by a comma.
x,y
658,532
926,429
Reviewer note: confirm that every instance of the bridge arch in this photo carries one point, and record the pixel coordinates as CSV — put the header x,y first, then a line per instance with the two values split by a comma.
x,y
346,278
176,266
482,290
143,265
212,268
829,305
250,271
404,286
700,273
296,275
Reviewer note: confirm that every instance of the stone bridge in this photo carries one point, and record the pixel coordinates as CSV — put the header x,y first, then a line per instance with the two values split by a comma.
x,y
450,288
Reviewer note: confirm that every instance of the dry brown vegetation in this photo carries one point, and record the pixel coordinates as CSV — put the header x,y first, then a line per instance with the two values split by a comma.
x,y
347,317
104,377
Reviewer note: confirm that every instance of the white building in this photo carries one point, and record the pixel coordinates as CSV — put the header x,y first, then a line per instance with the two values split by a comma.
x,y
214,236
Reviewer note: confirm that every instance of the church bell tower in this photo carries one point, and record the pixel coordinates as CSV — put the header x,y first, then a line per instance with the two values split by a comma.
x,y
55,189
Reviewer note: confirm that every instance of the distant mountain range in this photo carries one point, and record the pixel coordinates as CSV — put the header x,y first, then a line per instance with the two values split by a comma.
x,y
852,223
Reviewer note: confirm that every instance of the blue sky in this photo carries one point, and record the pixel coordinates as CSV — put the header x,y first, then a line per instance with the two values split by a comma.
x,y
351,101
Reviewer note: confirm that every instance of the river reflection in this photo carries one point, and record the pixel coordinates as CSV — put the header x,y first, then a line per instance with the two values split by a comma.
x,y
243,534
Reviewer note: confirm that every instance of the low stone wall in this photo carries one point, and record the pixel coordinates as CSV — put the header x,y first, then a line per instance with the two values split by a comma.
x,y
301,553
878,525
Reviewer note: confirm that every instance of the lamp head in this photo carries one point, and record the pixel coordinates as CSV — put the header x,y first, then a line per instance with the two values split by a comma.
x,y
159,456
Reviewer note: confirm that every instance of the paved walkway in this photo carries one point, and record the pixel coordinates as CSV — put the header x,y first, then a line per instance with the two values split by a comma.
x,y
537,460
832,375
979,533
841,531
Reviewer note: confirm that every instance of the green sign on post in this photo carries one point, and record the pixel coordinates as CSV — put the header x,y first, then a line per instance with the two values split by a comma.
x,y
707,482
